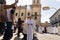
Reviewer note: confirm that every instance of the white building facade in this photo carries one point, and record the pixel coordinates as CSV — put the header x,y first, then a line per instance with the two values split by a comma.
x,y
55,20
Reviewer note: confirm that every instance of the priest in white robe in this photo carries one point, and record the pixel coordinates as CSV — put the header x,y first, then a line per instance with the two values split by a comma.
x,y
30,24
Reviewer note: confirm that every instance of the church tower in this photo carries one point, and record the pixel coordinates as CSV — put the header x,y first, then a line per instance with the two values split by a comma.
x,y
35,2
36,11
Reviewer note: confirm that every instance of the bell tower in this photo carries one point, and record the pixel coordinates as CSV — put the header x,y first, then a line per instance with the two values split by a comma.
x,y
35,2
36,11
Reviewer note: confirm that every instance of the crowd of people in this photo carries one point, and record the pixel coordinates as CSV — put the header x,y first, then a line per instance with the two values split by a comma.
x,y
7,23
48,29
27,27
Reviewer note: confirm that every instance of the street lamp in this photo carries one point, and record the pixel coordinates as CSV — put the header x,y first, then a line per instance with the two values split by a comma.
x,y
48,8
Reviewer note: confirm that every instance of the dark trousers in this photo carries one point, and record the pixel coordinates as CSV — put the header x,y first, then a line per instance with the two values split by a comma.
x,y
19,30
8,32
1,27
15,29
25,37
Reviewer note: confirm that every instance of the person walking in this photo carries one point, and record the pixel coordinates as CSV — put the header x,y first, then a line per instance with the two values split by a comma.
x,y
30,24
2,15
9,32
9,21
20,29
25,29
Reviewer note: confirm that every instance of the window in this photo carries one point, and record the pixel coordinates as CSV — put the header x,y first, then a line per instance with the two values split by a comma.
x,y
16,14
34,1
28,13
35,13
22,14
37,1
35,18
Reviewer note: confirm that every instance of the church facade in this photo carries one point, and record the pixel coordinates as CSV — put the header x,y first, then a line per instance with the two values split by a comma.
x,y
35,11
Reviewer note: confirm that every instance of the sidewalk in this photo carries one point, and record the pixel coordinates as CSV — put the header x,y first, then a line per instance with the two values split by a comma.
x,y
47,37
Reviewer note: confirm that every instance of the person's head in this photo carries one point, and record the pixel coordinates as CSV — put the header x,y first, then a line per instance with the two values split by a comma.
x,y
12,10
19,19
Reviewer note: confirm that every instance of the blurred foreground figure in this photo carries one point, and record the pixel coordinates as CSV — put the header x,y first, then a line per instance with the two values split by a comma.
x,y
30,24
7,18
9,31
2,16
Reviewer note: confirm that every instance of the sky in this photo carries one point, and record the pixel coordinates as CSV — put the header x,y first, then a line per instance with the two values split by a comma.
x,y
46,14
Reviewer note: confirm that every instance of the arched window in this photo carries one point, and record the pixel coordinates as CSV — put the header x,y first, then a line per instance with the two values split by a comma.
x,y
37,1
28,13
16,14
35,18
34,1
22,14
35,13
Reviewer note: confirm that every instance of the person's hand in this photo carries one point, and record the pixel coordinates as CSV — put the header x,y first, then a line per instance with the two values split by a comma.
x,y
16,1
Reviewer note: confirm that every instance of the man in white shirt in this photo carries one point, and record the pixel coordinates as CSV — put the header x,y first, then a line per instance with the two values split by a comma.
x,y
9,23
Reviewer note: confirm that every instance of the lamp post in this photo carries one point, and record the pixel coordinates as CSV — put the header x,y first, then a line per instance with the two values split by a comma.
x,y
48,8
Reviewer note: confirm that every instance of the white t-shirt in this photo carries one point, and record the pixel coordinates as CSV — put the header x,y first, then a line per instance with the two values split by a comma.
x,y
9,15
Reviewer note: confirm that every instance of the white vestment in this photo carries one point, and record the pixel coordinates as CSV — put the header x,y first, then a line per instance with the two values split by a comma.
x,y
40,29
30,28
53,30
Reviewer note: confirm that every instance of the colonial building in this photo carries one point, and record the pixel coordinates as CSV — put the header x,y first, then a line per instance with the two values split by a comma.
x,y
55,18
35,11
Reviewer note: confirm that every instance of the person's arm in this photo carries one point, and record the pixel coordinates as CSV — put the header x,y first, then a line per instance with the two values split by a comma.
x,y
12,17
10,6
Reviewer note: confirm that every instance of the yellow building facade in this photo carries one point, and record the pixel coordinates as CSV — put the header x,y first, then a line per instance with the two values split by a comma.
x,y
35,11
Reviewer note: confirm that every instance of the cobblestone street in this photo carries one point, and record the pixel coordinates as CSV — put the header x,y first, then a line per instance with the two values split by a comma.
x,y
39,36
